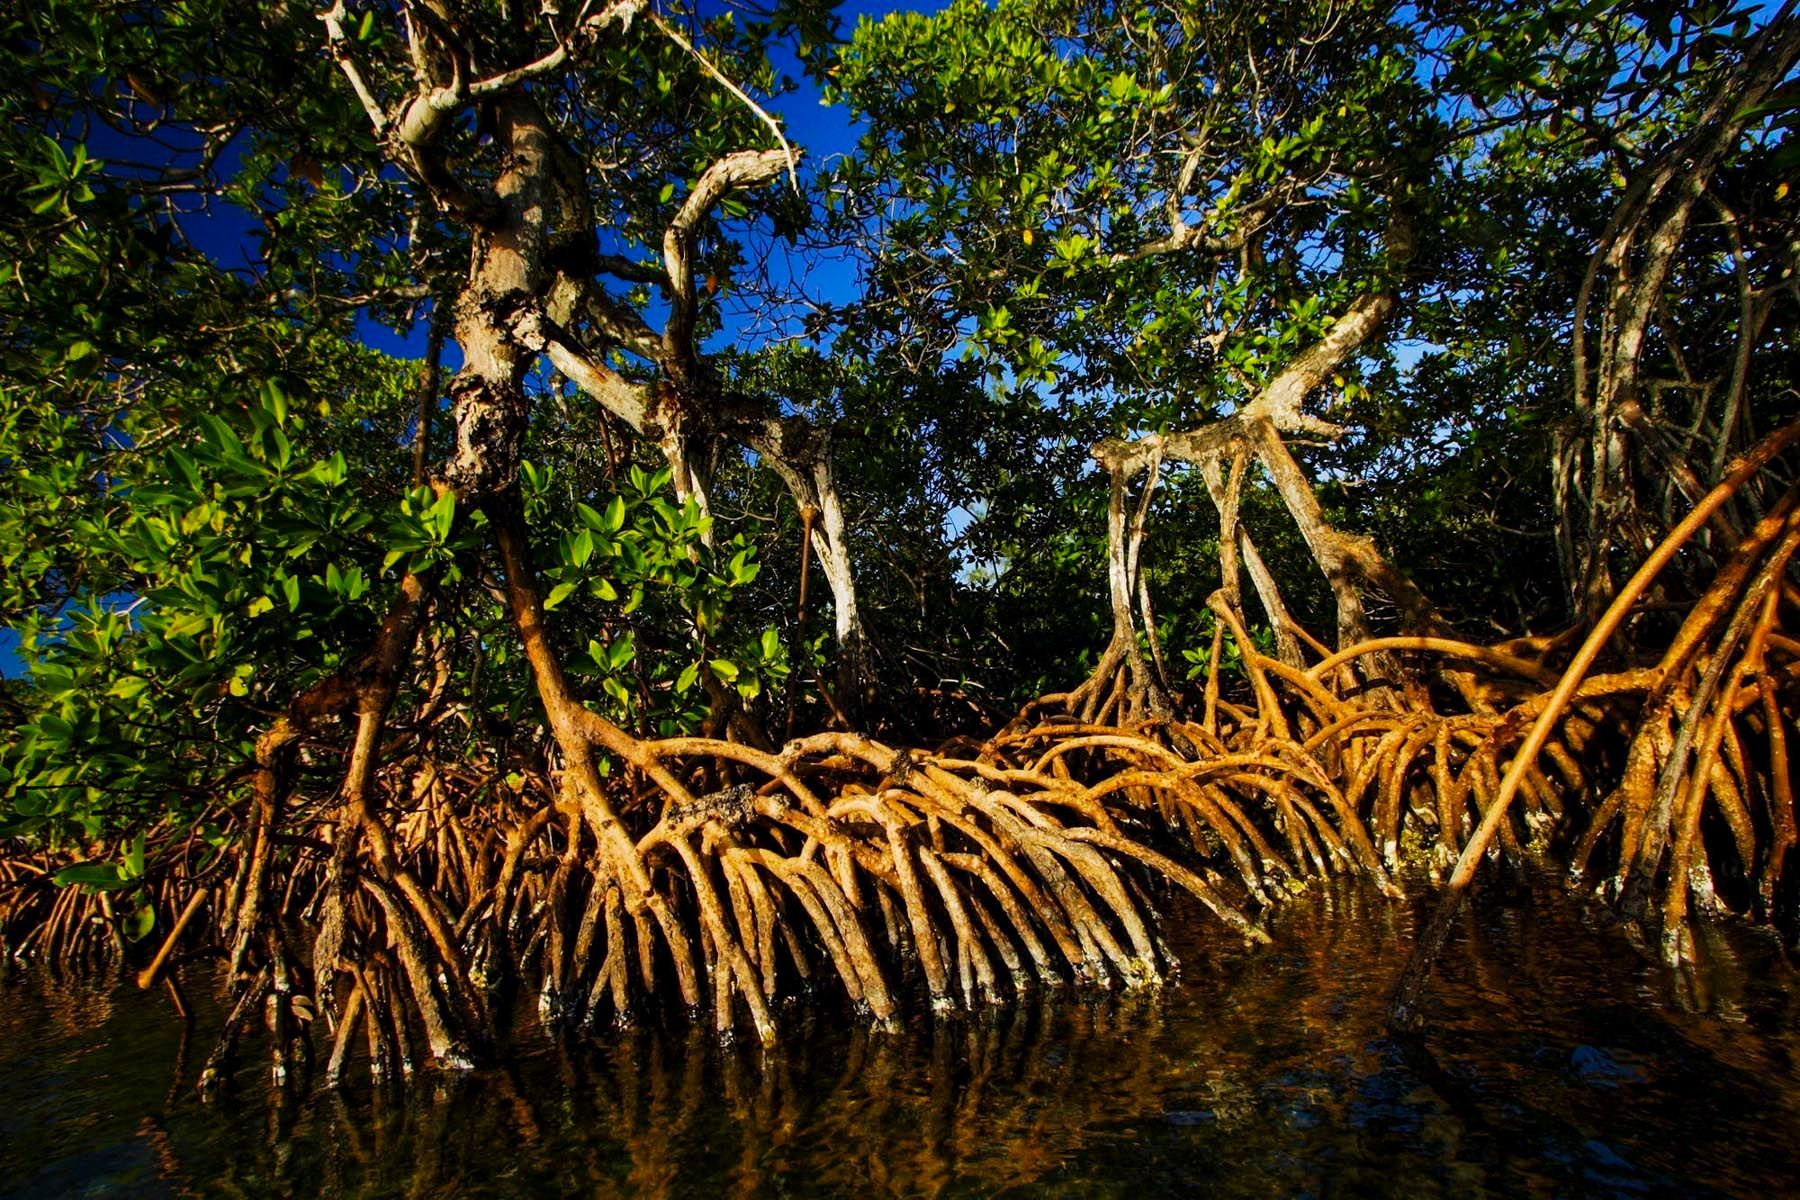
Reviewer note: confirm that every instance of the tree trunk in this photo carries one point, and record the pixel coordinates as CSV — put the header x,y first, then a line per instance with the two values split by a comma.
x,y
1287,646
801,455
689,453
505,280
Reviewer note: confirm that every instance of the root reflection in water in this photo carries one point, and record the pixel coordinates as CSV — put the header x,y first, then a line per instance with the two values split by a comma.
x,y
1562,1062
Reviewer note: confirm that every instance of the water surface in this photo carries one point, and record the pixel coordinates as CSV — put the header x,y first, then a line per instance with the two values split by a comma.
x,y
1559,1063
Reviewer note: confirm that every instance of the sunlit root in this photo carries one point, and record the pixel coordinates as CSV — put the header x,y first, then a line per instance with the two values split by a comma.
x,y
841,867
1710,748
386,905
1721,641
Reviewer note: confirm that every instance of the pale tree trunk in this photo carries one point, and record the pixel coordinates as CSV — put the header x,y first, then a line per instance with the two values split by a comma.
x,y
690,460
1254,434
831,546
488,394
794,449
1121,688
1125,528
1330,549
1287,646
801,456
1348,561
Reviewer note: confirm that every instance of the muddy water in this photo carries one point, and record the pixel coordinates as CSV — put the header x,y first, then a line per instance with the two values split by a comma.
x,y
1559,1063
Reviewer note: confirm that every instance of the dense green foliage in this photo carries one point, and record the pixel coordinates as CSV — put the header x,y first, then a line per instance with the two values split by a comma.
x,y
1073,219
1140,213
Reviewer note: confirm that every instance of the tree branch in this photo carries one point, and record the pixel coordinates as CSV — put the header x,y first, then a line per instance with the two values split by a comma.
x,y
586,29
338,42
744,168
625,399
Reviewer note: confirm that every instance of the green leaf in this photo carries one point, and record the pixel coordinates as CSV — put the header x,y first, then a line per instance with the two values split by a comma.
x,y
558,594
190,470
724,668
96,876
129,687
439,518
621,652
276,401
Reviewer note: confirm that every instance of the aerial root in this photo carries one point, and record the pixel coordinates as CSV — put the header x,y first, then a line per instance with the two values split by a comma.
x,y
396,931
843,867
1711,740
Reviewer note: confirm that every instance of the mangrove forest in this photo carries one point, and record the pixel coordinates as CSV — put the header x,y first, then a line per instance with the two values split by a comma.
x,y
835,543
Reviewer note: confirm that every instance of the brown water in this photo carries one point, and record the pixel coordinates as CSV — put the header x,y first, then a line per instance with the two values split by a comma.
x,y
1559,1063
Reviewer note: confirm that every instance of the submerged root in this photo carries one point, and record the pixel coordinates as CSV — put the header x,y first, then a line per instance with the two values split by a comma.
x,y
839,868
1703,815
857,873
396,917
1665,781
